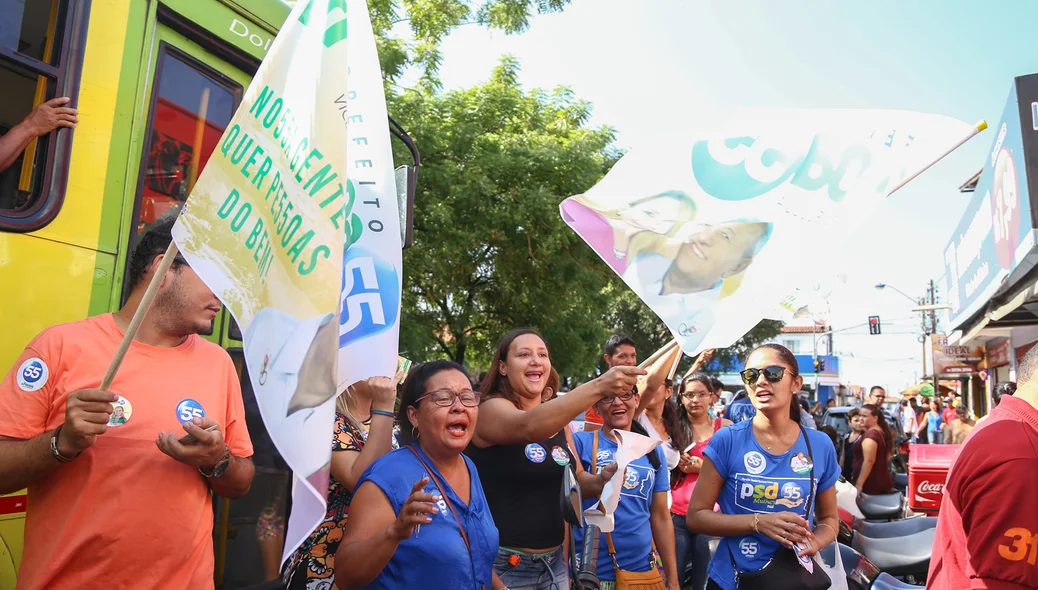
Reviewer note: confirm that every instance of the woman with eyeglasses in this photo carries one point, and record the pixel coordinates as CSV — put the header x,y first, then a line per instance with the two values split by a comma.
x,y
642,521
419,517
521,450
697,428
774,480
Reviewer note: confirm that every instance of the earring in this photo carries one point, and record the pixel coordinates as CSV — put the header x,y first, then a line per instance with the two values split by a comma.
x,y
414,433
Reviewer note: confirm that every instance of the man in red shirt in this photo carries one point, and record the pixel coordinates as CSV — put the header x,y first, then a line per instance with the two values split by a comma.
x,y
987,531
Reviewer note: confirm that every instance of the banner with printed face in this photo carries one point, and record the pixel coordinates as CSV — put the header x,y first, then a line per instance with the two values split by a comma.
x,y
717,230
265,227
369,323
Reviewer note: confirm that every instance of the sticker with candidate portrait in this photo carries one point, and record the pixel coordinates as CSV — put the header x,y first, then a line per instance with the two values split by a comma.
x,y
121,412
560,455
800,463
536,453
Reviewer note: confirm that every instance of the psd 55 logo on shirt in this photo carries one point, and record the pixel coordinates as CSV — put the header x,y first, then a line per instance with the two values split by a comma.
x,y
759,494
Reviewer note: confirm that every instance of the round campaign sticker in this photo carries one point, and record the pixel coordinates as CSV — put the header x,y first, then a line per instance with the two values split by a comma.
x,y
536,453
33,374
560,455
122,412
188,409
800,463
754,463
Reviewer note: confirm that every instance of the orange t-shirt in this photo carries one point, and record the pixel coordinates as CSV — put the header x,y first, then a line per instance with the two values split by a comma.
x,y
123,514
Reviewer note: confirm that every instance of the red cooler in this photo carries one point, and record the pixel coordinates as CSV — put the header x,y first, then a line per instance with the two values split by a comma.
x,y
927,473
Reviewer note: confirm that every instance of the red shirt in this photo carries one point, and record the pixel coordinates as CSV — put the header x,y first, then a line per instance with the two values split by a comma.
x,y
987,531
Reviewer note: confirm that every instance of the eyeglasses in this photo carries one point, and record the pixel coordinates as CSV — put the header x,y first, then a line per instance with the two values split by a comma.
x,y
690,395
445,398
623,397
773,374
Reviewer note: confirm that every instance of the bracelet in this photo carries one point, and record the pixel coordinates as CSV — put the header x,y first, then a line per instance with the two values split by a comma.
x,y
385,413
756,521
835,534
54,448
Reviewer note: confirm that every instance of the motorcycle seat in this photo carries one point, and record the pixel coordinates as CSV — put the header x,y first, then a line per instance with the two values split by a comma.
x,y
881,506
901,480
898,556
894,528
886,581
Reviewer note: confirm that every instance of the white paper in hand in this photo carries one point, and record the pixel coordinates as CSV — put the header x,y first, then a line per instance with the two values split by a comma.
x,y
807,562
631,446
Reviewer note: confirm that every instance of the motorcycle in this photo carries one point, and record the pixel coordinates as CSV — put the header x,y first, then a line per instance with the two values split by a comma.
x,y
861,573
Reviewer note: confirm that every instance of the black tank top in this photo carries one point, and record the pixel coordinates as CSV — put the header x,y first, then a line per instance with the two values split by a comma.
x,y
523,486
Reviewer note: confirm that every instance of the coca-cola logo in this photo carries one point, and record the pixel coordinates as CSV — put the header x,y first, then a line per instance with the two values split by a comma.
x,y
925,487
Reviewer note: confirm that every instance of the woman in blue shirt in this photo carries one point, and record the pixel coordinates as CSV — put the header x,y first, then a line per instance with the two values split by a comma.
x,y
419,518
759,471
935,423
643,497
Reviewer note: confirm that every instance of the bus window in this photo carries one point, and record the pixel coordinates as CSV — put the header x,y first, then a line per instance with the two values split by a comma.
x,y
32,68
185,89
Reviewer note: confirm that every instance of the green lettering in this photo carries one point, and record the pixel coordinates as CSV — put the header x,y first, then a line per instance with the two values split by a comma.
x,y
254,236
240,217
272,114
300,244
257,181
306,163
228,139
322,251
290,231
256,151
228,204
321,179
274,185
261,102
241,149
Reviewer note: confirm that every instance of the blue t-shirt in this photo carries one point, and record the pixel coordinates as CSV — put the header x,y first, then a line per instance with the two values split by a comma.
x,y
933,421
740,410
436,557
757,481
632,535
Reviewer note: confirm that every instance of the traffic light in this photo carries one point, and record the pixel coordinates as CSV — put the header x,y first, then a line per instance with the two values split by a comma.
x,y
819,365
874,325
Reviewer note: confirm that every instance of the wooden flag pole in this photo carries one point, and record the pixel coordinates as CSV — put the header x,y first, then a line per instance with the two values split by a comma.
x,y
980,126
674,367
656,355
167,258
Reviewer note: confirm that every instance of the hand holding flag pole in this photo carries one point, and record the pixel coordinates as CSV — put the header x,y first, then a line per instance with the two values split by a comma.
x,y
167,258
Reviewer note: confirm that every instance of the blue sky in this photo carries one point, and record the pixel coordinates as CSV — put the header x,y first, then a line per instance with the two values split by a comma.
x,y
653,65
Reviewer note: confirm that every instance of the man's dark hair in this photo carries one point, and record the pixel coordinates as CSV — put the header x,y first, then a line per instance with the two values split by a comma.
x,y
914,402
1003,388
615,341
716,385
875,387
1028,367
150,246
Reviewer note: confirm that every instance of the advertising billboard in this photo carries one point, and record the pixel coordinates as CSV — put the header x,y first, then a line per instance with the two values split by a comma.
x,y
996,231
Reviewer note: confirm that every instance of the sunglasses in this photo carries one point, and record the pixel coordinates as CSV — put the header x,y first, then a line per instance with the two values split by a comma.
x,y
700,395
445,398
773,374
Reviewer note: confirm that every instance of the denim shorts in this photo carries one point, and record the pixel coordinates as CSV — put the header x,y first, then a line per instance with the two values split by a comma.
x,y
529,571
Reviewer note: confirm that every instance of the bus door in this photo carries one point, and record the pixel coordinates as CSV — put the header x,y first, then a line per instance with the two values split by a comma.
x,y
189,93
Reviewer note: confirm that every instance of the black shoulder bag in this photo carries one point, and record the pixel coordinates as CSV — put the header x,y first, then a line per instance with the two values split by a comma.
x,y
784,572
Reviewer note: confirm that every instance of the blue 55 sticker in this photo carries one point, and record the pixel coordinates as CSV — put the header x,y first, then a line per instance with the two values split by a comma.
x,y
188,409
370,296
33,374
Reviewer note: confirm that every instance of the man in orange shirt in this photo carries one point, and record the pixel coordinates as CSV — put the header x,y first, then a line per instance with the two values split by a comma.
x,y
117,499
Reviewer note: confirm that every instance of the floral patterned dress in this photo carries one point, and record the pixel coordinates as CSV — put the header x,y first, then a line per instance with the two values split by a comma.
x,y
311,566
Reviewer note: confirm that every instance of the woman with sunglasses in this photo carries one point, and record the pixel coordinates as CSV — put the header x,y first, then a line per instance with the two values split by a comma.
x,y
697,428
641,516
772,478
419,518
521,450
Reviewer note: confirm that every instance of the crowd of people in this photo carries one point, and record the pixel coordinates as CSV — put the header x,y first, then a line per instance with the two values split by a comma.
x,y
455,486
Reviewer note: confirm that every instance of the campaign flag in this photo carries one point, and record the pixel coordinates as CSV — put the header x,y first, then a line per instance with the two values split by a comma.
x,y
369,323
265,227
717,230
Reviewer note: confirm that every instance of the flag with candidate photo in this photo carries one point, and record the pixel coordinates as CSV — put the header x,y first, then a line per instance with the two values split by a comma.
x,y
717,230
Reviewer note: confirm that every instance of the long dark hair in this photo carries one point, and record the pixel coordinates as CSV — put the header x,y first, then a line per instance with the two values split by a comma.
x,y
684,420
881,419
790,360
496,385
414,388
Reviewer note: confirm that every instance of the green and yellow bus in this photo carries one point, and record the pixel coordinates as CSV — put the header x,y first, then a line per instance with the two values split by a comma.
x,y
72,205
